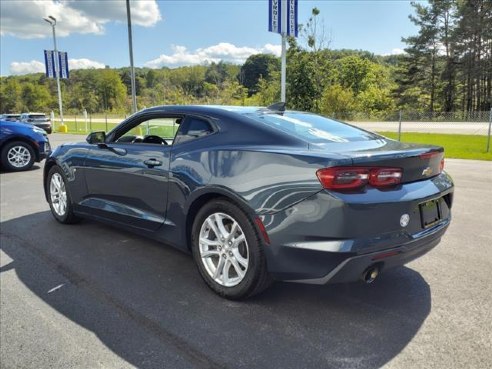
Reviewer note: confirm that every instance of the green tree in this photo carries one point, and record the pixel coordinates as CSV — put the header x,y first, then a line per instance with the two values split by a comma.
x,y
303,93
256,67
216,73
352,72
376,101
422,68
268,90
35,97
111,90
338,101
10,96
150,79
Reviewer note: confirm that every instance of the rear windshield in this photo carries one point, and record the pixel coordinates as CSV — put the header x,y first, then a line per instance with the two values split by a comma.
x,y
313,128
37,116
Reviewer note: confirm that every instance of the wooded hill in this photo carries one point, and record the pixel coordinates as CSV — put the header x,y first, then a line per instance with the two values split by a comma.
x,y
447,67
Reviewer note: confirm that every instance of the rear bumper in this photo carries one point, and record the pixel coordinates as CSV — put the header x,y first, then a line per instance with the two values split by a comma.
x,y
45,126
352,267
330,238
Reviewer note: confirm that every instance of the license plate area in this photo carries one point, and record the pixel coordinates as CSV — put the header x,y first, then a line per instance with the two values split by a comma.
x,y
430,213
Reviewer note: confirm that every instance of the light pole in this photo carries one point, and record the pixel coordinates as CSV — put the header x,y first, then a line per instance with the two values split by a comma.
x,y
130,47
52,21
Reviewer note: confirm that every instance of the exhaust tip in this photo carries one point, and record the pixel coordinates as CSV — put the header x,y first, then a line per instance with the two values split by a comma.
x,y
370,275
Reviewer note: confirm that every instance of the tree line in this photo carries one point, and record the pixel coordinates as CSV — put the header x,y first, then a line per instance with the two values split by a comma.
x,y
447,66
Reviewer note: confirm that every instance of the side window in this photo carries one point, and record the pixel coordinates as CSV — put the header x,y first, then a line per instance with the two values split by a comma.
x,y
155,130
193,128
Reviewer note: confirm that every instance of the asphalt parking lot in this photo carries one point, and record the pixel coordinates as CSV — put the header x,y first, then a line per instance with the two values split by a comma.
x,y
89,296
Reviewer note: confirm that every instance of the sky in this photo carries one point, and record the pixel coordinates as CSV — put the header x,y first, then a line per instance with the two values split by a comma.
x,y
182,32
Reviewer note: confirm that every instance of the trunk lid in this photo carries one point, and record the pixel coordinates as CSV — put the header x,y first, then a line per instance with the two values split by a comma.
x,y
418,162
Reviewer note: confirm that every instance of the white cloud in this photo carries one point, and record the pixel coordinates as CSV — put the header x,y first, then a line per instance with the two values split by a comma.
x,y
395,51
25,18
272,49
144,13
84,64
35,66
223,51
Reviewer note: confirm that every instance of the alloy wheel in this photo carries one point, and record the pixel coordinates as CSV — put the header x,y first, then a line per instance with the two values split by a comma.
x,y
19,156
58,194
223,249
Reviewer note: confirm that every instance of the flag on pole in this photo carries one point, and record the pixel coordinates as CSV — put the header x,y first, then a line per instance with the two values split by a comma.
x,y
49,62
292,18
282,17
274,16
63,64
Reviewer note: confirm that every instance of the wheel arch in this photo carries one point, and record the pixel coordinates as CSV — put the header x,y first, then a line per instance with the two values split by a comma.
x,y
202,197
50,163
25,140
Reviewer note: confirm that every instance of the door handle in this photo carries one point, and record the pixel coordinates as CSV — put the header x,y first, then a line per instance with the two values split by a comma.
x,y
152,163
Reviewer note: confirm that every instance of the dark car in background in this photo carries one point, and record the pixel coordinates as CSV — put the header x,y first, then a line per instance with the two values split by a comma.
x,y
21,145
10,117
37,119
258,194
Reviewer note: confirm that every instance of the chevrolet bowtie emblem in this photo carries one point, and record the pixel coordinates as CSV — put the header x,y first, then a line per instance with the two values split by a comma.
x,y
427,172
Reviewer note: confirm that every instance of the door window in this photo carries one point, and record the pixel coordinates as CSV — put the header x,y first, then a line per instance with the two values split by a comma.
x,y
193,128
160,131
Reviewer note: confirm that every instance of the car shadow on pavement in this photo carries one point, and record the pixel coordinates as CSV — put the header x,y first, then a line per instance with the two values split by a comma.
x,y
34,167
146,302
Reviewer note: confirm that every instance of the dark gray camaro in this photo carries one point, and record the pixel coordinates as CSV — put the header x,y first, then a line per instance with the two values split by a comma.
x,y
258,194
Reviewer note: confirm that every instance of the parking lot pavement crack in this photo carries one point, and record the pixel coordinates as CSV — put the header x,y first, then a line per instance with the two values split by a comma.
x,y
197,358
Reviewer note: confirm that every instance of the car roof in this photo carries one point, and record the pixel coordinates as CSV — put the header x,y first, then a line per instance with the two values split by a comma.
x,y
204,108
217,109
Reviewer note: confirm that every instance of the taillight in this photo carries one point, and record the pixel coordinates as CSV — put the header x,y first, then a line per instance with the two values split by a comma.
x,y
441,167
381,177
343,178
352,178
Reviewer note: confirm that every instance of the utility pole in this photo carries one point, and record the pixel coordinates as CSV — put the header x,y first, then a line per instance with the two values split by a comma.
x,y
283,34
130,46
282,19
52,21
283,76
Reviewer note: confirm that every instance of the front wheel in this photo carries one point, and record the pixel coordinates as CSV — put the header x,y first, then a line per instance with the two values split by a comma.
x,y
17,156
228,251
59,197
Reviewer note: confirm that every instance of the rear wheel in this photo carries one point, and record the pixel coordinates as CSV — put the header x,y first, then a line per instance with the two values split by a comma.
x,y
228,251
59,197
17,156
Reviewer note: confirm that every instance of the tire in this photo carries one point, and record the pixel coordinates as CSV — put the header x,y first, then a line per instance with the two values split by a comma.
x,y
235,267
17,156
59,197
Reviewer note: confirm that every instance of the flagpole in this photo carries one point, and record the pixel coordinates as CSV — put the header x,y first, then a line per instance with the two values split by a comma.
x,y
284,68
130,47
282,19
52,21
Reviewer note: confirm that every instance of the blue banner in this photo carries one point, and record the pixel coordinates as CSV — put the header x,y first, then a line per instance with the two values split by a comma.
x,y
282,17
292,18
63,64
49,62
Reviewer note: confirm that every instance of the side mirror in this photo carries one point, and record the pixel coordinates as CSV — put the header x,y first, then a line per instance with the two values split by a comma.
x,y
96,137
